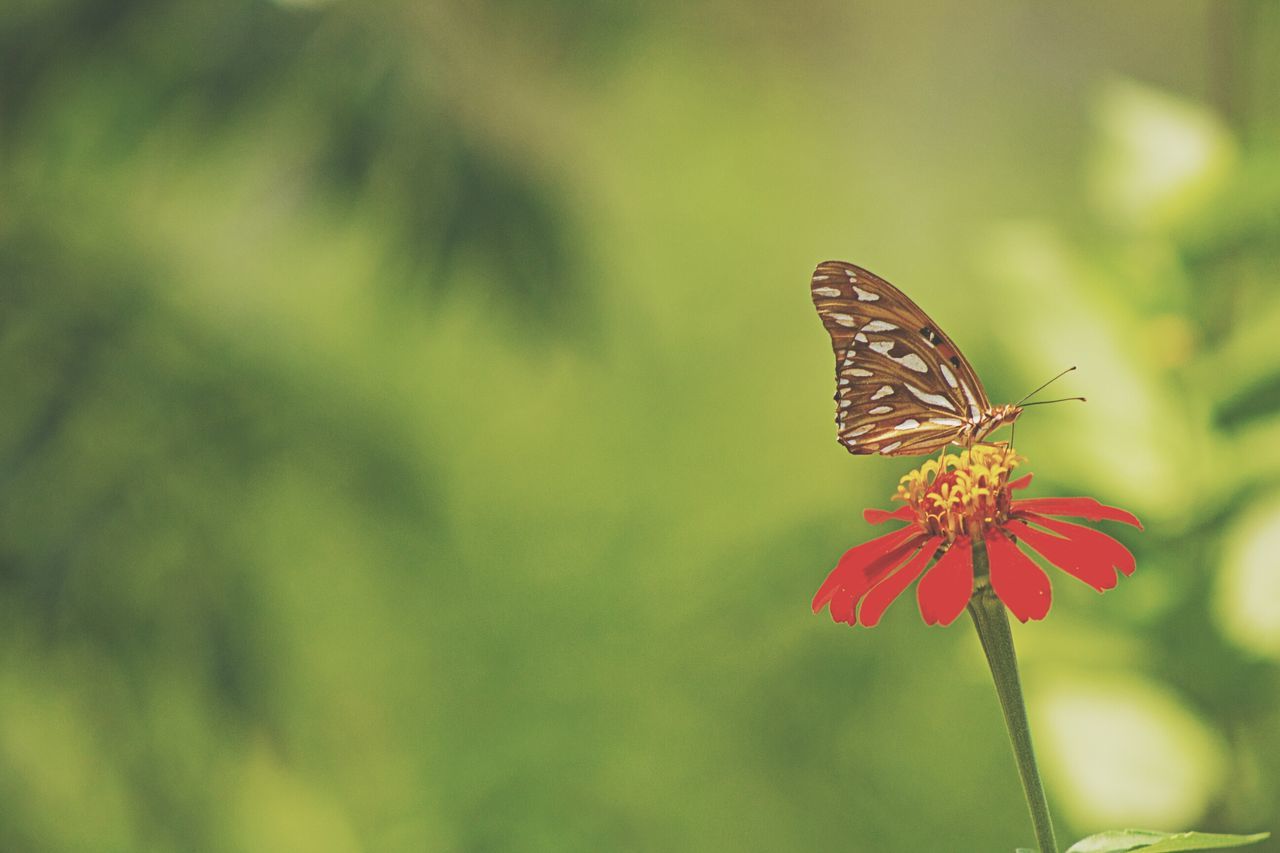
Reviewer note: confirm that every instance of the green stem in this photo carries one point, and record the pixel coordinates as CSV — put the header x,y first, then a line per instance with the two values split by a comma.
x,y
992,622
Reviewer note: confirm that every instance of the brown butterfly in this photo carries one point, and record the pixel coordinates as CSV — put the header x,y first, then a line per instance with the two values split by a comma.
x,y
902,386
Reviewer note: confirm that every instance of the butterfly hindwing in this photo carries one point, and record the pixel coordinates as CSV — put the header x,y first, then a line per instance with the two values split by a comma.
x,y
902,386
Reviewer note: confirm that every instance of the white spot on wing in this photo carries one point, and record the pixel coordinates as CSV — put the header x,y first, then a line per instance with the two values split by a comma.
x,y
909,423
844,381
843,319
951,422
931,399
857,371
882,347
860,338
821,277
879,326
881,410
862,430
975,414
844,404
885,391
948,375
826,291
864,295
889,448
913,362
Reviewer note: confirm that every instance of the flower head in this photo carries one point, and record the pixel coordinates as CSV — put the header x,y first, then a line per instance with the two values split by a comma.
x,y
959,503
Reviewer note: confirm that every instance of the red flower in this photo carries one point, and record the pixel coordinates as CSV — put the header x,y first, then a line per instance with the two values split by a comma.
x,y
966,501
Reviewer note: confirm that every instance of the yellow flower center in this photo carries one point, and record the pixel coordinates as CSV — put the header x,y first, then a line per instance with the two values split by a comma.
x,y
959,495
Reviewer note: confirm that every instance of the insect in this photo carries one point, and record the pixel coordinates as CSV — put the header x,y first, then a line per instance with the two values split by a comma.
x,y
902,386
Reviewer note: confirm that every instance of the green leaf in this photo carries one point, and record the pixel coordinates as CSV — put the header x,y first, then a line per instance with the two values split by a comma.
x,y
1150,841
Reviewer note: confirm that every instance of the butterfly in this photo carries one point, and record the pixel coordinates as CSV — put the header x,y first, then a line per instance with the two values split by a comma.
x,y
902,386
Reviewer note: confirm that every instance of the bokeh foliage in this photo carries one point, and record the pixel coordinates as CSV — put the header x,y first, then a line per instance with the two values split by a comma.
x,y
417,433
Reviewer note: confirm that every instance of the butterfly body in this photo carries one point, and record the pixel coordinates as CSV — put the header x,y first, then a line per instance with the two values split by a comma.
x,y
902,387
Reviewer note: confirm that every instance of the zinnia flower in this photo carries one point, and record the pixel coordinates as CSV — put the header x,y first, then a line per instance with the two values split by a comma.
x,y
958,504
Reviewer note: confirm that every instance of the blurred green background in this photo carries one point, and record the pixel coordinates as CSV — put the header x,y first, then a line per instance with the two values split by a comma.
x,y
417,433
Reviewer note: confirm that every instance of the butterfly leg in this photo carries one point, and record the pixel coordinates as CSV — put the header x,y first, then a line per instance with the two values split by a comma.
x,y
942,458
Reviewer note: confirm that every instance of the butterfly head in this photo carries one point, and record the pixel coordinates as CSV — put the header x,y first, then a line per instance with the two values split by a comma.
x,y
996,417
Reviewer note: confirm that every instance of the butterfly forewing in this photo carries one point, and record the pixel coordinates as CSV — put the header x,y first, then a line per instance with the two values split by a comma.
x,y
902,386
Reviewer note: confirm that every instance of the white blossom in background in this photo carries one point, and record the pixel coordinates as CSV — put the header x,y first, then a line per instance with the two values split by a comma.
x,y
1247,589
1125,751
1160,158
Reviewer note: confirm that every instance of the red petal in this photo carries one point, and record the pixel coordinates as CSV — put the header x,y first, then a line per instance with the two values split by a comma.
x,y
1089,546
883,594
1077,508
846,597
945,590
879,516
842,606
1020,483
855,560
1066,555
1017,580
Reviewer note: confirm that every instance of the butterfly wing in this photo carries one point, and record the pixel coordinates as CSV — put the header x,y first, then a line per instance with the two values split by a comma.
x,y
902,386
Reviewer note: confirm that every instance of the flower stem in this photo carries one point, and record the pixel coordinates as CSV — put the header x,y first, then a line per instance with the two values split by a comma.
x,y
992,622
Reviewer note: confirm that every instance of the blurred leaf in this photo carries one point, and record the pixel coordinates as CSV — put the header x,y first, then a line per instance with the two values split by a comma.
x,y
1120,840
1240,376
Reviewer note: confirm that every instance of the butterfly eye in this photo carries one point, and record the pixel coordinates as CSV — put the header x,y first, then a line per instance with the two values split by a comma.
x,y
955,359
929,334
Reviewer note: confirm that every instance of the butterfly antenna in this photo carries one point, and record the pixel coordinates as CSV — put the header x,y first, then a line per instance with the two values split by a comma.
x,y
1046,385
1013,428
1059,400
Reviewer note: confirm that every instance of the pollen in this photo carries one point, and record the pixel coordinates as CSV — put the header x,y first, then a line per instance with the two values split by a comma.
x,y
961,494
